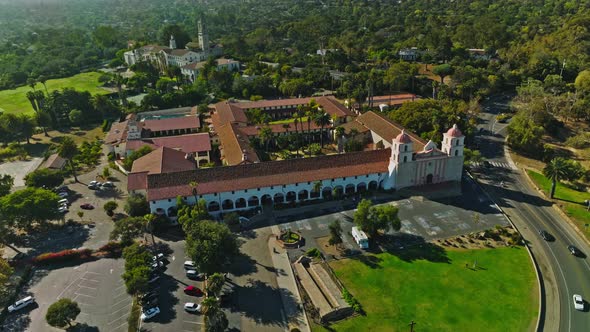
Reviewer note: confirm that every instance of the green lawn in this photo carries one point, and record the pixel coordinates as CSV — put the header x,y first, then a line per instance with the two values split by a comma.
x,y
569,199
292,120
15,101
439,293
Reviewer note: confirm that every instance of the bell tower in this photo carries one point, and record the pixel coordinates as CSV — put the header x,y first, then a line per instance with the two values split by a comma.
x,y
203,36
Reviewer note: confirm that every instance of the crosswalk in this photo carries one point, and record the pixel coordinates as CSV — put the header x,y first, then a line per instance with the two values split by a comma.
x,y
496,164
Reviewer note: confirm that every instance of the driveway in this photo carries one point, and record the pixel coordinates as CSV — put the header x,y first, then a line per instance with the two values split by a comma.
x,y
96,286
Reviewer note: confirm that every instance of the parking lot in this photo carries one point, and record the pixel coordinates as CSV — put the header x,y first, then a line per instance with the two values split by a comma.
x,y
172,298
96,286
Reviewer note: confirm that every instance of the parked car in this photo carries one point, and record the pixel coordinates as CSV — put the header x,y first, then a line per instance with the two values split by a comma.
x,y
158,257
62,194
154,278
192,307
21,304
147,314
194,275
189,265
61,188
192,290
87,206
94,183
148,294
63,201
578,302
157,265
93,187
149,303
63,209
108,184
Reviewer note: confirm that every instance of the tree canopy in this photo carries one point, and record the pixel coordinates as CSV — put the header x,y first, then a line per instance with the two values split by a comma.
x,y
62,313
211,245
44,177
26,206
374,219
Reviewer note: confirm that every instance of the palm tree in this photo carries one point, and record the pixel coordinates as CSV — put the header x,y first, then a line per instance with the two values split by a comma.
x,y
317,187
43,120
27,126
32,97
557,169
266,136
215,283
287,126
215,319
296,121
149,225
32,82
68,150
322,119
42,79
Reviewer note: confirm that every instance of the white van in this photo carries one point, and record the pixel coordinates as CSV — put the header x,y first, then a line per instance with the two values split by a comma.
x,y
360,238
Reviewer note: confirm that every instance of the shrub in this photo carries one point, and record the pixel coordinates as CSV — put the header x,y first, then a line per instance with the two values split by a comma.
x,y
106,125
112,248
315,148
354,303
313,252
63,256
580,141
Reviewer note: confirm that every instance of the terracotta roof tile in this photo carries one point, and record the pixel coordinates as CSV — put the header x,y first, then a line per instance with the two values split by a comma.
x,y
387,128
275,173
118,133
162,160
235,145
137,181
199,142
395,100
182,122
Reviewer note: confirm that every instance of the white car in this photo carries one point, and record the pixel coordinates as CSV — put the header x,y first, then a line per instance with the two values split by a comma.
x,y
21,304
158,257
149,313
192,307
578,302
63,209
108,184
189,265
157,264
94,183
63,194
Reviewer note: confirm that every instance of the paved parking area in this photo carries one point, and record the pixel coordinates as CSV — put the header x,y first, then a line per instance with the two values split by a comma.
x,y
18,169
172,298
96,286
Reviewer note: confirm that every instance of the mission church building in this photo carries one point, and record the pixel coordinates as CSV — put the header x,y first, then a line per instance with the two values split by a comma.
x,y
403,160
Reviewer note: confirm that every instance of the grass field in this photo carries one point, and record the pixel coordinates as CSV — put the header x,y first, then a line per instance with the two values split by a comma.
x,y
438,291
570,200
15,101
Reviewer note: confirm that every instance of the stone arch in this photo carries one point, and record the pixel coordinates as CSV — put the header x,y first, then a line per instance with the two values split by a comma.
x,y
429,179
266,199
279,198
327,192
361,187
213,206
240,203
172,212
291,196
253,201
303,195
373,185
338,190
227,204
350,189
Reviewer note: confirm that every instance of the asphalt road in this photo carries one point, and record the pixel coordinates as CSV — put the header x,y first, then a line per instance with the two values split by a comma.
x,y
563,274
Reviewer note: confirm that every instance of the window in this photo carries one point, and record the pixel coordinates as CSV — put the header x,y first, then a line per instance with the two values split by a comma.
x,y
215,194
343,179
246,190
405,159
456,153
356,177
457,142
272,187
257,189
367,175
308,182
296,184
153,202
169,200
233,192
405,148
200,196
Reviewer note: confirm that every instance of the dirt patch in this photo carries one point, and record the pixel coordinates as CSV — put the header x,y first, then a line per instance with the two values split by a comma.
x,y
330,251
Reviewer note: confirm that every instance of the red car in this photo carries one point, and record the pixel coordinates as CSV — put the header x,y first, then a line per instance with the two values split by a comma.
x,y
192,290
87,206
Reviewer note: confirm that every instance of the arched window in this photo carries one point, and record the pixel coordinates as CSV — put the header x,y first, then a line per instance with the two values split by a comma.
x,y
405,159
456,153
405,149
457,142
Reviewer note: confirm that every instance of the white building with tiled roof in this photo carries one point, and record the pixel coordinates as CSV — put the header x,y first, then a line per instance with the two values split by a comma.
x,y
405,160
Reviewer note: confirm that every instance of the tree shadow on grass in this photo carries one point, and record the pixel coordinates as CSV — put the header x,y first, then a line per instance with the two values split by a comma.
x,y
409,248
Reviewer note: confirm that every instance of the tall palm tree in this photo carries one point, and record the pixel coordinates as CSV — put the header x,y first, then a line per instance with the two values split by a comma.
x,y
32,97
322,120
32,82
215,319
287,126
266,136
317,187
27,126
68,150
215,283
557,169
43,120
43,80
149,224
296,121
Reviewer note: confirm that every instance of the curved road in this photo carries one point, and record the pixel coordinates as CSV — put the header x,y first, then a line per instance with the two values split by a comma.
x,y
563,275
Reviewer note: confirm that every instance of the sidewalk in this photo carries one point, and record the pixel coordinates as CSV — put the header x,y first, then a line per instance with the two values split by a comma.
x,y
292,304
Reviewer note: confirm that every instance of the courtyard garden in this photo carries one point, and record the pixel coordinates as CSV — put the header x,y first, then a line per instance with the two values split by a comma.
x,y
441,290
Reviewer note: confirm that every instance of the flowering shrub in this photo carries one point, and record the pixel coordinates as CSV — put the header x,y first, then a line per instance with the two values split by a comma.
x,y
63,256
113,249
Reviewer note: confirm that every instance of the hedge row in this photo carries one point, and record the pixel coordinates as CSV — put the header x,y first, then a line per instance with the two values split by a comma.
x,y
62,256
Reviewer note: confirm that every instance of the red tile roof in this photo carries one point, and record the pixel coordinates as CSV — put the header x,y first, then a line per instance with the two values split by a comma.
x,y
275,173
235,145
395,100
234,111
277,128
161,160
385,128
118,133
199,142
182,122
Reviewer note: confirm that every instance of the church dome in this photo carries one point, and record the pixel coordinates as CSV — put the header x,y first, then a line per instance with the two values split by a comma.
x,y
454,132
403,137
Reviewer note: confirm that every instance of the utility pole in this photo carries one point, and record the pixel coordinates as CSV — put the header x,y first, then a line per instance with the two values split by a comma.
x,y
412,326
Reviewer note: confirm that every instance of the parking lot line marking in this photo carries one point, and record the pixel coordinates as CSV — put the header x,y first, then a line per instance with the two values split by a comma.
x,y
85,295
122,317
94,273
87,287
122,324
191,322
120,302
90,279
125,307
116,289
68,286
